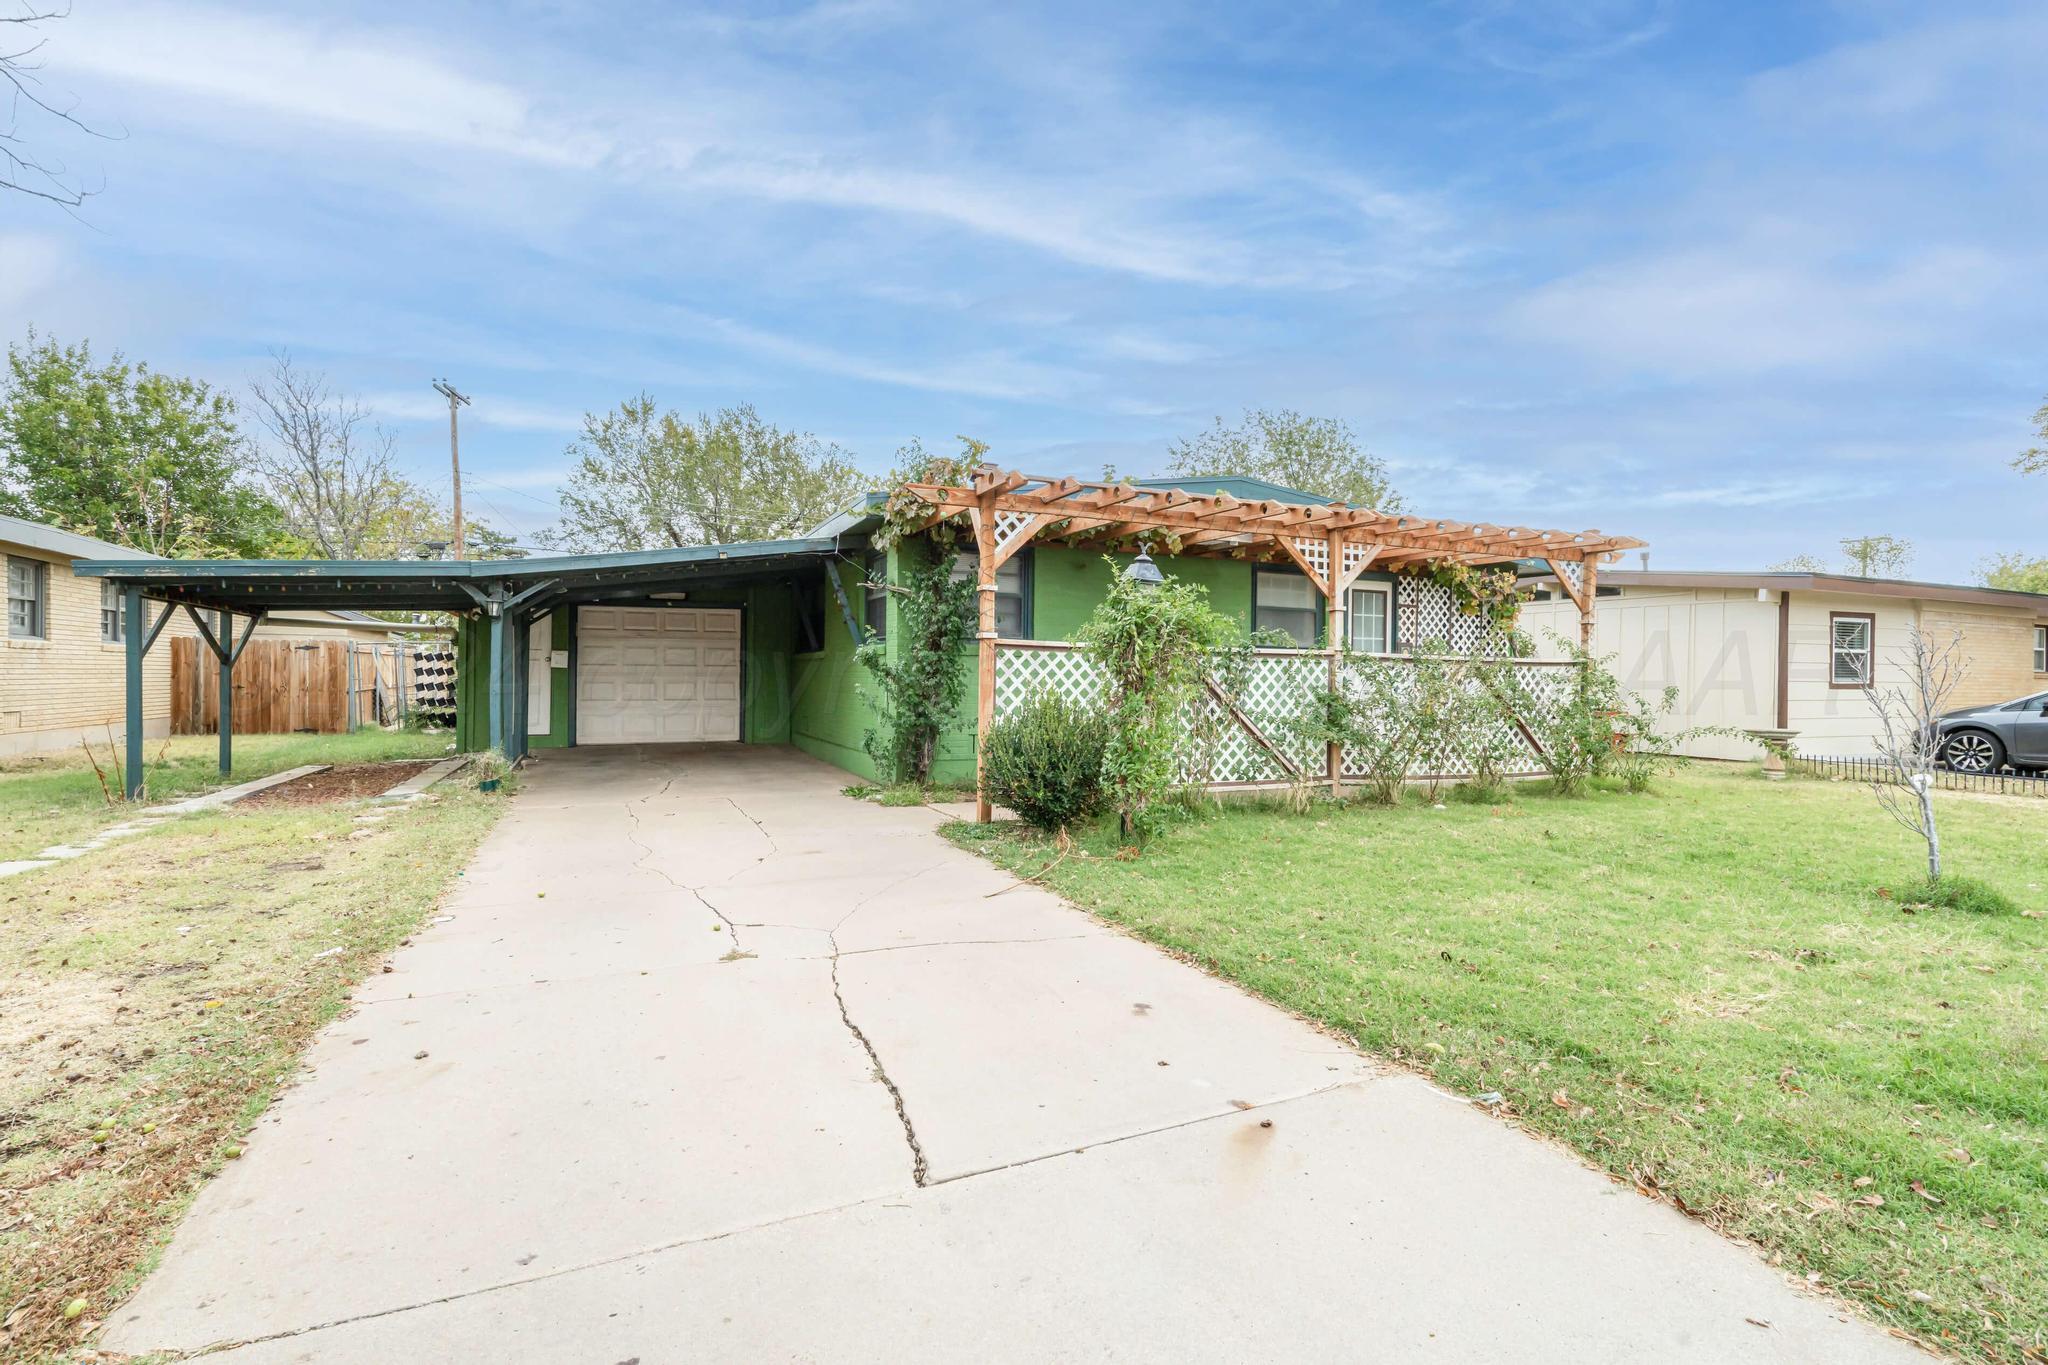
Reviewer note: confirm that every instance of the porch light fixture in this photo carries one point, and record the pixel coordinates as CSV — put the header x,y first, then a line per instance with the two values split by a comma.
x,y
1144,572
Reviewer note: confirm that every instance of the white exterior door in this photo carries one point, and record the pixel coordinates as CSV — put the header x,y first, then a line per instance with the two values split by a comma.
x,y
654,675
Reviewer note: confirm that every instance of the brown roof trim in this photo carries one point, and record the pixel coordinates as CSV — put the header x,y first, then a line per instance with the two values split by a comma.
x,y
1821,582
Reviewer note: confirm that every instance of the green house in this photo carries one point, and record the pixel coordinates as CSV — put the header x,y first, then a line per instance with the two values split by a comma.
x,y
756,643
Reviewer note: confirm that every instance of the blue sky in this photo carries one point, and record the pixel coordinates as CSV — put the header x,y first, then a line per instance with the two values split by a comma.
x,y
1739,279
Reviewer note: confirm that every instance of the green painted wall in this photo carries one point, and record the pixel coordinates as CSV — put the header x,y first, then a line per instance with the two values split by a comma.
x,y
829,716
557,737
472,700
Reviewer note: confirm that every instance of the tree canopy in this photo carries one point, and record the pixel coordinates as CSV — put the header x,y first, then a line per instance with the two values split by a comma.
x,y
645,478
1312,454
2034,459
1863,556
121,452
2014,571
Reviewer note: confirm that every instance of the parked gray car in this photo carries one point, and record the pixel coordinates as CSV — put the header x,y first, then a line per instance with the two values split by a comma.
x,y
1983,739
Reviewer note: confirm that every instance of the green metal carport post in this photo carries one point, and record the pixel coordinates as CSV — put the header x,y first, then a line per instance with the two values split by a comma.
x,y
134,615
132,635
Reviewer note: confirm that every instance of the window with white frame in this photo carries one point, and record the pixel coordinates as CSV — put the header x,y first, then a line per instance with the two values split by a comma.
x,y
1850,646
876,604
113,616
2041,649
1284,599
1013,593
28,591
1369,610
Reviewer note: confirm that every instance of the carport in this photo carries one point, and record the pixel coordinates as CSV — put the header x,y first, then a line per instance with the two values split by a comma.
x,y
754,592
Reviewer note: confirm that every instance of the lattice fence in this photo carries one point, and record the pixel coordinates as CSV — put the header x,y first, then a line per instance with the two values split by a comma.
x,y
1429,613
1252,746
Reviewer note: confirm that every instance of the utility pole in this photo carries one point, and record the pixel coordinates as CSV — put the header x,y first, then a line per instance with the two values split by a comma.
x,y
455,400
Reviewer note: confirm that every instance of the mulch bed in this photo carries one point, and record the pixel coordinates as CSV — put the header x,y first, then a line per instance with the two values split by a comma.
x,y
342,782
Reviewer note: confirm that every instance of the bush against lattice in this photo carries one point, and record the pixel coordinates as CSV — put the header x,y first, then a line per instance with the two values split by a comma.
x,y
1598,728
1153,644
1044,761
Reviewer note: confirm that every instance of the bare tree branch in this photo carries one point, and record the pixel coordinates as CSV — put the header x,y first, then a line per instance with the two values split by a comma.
x,y
21,171
325,463
1909,740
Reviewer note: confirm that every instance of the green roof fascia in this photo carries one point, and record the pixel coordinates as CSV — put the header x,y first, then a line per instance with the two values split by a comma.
x,y
1238,486
413,570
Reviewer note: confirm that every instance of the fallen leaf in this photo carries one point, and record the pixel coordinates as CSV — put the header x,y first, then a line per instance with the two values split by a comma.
x,y
1560,1099
1921,1190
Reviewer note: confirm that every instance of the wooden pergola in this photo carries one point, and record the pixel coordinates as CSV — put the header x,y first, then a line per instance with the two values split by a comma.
x,y
1332,544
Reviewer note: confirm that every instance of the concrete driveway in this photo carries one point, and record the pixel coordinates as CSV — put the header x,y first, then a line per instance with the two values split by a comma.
x,y
711,1063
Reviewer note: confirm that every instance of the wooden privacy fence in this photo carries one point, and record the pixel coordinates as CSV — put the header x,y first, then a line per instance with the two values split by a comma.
x,y
287,686
1246,741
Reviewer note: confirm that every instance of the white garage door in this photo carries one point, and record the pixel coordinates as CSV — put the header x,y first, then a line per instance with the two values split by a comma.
x,y
650,675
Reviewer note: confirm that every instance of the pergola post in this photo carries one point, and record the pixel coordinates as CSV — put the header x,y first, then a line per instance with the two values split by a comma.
x,y
985,566
137,639
1333,636
1589,601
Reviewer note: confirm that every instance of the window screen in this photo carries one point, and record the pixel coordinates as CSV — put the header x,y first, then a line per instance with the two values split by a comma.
x,y
877,605
26,585
1013,593
1851,663
1283,600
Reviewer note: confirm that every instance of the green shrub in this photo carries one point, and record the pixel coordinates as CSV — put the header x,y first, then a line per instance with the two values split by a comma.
x,y
1951,892
1045,762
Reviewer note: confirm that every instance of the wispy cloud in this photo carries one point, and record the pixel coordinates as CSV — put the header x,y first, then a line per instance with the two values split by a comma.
x,y
484,409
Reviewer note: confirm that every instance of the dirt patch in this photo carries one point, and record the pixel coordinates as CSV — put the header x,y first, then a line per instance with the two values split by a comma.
x,y
342,782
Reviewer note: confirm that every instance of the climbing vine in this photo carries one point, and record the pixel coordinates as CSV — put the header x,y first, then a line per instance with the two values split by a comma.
x,y
1154,645
1493,594
917,692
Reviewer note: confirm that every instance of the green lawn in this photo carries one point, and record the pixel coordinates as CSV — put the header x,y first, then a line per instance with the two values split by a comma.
x,y
55,798
159,993
1704,991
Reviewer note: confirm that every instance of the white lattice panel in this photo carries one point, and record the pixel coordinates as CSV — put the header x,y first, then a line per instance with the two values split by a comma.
x,y
1429,614
1279,685
1316,552
1355,555
1572,572
1542,686
1069,674
1010,525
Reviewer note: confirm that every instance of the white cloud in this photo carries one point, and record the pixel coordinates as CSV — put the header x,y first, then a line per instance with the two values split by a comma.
x,y
484,409
1756,304
379,84
1130,188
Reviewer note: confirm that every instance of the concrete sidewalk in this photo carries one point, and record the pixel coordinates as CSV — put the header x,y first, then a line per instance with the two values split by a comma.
x,y
720,1065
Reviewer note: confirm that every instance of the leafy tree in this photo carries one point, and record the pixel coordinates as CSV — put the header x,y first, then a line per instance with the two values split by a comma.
x,y
2034,459
2015,572
1877,556
645,478
1863,556
1313,454
121,452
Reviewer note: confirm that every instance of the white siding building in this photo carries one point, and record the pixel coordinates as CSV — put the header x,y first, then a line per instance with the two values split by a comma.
x,y
1796,651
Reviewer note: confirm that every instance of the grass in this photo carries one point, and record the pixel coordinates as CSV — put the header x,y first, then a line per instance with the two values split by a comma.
x,y
55,798
1712,991
154,998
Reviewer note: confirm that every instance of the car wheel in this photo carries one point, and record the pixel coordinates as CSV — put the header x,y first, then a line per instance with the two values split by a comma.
x,y
1973,751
